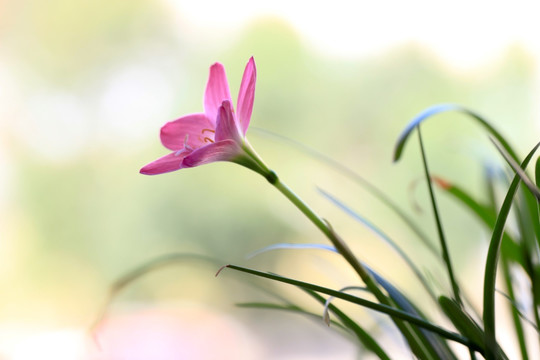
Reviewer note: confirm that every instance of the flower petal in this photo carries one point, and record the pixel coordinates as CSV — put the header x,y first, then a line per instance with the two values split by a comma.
x,y
165,164
217,90
173,134
219,151
226,124
246,95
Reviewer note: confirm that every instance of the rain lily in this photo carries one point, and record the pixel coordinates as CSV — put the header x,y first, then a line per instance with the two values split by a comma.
x,y
218,134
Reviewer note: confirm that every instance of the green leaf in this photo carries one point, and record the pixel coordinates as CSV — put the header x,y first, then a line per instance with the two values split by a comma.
x,y
518,170
537,172
492,260
393,312
510,250
463,322
484,213
438,222
363,336
289,246
430,342
437,109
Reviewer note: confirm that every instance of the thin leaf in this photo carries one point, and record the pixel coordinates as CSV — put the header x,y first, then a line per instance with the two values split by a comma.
x,y
438,222
289,246
430,343
393,312
537,172
364,337
492,260
484,213
431,340
518,170
510,250
441,108
464,323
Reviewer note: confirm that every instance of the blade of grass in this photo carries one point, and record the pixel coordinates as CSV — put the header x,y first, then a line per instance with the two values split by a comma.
x,y
492,260
537,172
441,108
391,311
510,250
465,325
363,336
517,169
433,344
432,341
440,231
289,246
485,214
508,255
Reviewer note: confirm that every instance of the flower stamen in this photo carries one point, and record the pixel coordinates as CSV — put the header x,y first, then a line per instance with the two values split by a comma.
x,y
207,139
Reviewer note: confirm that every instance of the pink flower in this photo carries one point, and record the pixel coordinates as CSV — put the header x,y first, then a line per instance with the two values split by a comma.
x,y
218,134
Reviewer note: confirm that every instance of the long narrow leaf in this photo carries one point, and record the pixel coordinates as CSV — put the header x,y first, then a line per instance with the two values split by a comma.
x,y
440,348
518,170
484,213
363,336
289,246
492,260
393,312
441,108
438,222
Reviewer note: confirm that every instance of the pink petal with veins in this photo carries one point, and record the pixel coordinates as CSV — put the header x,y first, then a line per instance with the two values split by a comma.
x,y
225,150
173,134
217,90
164,164
227,126
246,95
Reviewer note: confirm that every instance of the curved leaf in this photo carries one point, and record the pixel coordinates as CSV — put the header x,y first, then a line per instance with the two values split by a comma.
x,y
492,260
437,109
393,312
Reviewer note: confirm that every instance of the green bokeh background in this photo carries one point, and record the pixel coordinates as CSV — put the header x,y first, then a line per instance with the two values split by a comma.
x,y
86,86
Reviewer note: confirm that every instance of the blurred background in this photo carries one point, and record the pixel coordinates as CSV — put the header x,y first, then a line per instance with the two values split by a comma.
x,y
85,86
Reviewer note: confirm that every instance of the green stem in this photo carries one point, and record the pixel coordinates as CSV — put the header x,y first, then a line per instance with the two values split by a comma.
x,y
338,243
417,344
